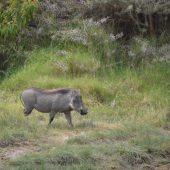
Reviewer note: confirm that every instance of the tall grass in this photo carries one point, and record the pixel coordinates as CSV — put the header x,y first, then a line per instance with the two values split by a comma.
x,y
128,118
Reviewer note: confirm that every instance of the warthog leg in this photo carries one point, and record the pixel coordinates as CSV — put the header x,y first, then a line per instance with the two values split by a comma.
x,y
69,119
27,112
51,117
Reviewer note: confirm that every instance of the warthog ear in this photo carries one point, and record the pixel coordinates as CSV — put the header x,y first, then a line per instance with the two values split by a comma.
x,y
75,92
78,90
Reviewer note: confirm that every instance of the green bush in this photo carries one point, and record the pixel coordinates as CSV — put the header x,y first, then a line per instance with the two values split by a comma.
x,y
16,15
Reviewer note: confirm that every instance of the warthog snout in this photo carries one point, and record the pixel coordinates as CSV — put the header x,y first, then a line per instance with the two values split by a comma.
x,y
83,111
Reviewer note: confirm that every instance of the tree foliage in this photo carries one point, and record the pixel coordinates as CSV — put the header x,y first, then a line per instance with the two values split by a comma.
x,y
14,15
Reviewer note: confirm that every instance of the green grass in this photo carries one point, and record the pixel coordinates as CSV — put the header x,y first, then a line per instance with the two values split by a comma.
x,y
132,134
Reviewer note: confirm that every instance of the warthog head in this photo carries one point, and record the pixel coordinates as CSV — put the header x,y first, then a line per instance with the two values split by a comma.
x,y
77,103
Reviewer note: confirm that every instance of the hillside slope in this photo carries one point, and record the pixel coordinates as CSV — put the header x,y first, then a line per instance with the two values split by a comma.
x,y
127,126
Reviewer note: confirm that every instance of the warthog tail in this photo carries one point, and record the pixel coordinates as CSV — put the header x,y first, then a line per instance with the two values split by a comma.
x,y
21,100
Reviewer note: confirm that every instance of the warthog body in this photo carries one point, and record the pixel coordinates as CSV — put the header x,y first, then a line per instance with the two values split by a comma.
x,y
53,101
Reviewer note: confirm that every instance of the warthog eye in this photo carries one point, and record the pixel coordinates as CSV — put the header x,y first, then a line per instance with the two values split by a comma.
x,y
77,98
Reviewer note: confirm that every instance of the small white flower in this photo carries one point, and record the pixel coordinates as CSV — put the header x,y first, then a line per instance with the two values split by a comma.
x,y
103,20
138,10
130,8
113,103
130,53
112,37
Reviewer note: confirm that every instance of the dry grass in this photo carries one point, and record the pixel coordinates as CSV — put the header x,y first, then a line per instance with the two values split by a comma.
x,y
127,125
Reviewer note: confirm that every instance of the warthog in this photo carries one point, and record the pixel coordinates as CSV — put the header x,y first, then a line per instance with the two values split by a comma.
x,y
53,101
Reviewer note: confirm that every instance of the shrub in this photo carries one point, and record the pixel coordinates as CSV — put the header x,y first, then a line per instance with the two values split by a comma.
x,y
16,15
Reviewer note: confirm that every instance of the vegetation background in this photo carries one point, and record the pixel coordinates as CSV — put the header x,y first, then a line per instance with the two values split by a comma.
x,y
117,53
